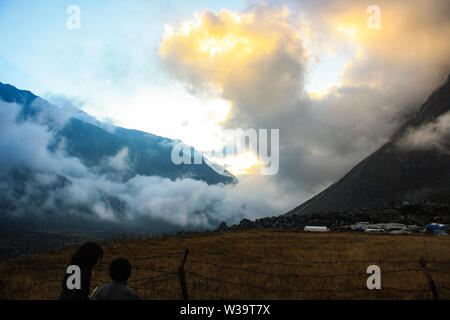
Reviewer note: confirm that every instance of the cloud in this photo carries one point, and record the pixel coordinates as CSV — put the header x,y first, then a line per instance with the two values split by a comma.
x,y
120,161
71,108
254,59
259,61
431,136
411,46
38,184
388,74
25,144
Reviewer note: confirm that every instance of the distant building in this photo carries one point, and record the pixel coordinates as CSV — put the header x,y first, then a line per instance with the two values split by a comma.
x,y
316,229
373,230
436,228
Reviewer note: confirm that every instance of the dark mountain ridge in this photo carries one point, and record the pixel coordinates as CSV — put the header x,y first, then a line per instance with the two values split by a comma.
x,y
392,175
149,154
409,186
31,196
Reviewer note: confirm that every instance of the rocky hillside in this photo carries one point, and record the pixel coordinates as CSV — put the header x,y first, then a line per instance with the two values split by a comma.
x,y
413,167
400,184
417,215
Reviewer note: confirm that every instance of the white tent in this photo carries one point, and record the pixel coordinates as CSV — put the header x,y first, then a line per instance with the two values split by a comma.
x,y
316,228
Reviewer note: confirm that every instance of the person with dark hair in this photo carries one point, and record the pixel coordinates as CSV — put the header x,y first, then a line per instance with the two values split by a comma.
x,y
117,289
76,282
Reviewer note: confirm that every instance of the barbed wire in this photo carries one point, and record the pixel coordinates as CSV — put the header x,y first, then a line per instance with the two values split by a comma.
x,y
154,279
443,287
25,247
439,262
312,263
168,255
39,283
405,290
61,266
145,289
439,271
284,290
149,280
297,275
164,275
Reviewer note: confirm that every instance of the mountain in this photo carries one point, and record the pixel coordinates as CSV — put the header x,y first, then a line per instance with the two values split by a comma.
x,y
63,169
92,141
412,168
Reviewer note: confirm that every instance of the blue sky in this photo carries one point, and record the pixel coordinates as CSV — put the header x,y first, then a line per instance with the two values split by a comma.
x,y
40,53
111,68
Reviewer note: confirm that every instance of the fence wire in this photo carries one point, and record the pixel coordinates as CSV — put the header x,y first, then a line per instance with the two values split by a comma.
x,y
149,285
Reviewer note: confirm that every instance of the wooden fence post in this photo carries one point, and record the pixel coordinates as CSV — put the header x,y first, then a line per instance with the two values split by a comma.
x,y
181,275
429,279
10,249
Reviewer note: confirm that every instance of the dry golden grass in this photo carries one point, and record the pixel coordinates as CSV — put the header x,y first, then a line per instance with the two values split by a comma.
x,y
276,265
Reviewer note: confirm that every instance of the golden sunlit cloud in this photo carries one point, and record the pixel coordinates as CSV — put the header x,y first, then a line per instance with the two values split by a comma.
x,y
254,59
257,63
320,93
251,62
242,164
221,109
414,34
213,46
351,31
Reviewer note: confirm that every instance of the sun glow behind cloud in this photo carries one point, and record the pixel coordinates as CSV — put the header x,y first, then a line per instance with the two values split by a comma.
x,y
222,53
262,60
232,42
363,82
170,111
241,164
245,163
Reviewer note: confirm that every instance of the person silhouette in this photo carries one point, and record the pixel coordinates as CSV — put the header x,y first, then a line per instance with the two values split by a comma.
x,y
86,259
117,289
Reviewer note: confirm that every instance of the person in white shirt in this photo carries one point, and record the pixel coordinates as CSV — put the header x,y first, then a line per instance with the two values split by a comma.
x,y
117,289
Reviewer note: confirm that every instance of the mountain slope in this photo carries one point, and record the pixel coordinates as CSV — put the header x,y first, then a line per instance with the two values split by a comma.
x,y
398,173
148,154
63,169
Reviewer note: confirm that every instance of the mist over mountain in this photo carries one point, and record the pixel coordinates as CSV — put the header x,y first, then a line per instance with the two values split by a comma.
x,y
93,141
413,167
61,168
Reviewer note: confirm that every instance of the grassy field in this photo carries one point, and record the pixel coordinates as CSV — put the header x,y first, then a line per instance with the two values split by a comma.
x,y
256,264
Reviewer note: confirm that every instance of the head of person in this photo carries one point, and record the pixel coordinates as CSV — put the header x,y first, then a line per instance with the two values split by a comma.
x,y
88,256
120,270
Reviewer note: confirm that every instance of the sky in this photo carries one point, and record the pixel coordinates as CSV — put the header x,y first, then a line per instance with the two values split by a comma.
x,y
336,88
113,60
